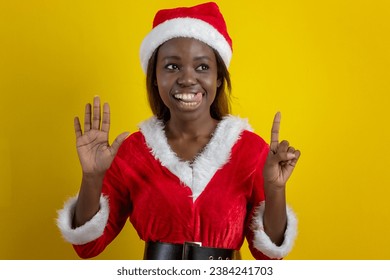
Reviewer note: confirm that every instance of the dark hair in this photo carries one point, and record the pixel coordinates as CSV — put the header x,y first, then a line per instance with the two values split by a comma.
x,y
218,109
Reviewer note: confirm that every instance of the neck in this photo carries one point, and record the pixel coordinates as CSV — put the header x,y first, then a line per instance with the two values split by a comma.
x,y
193,128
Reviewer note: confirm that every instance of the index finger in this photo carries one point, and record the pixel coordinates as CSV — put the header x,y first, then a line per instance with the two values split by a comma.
x,y
275,132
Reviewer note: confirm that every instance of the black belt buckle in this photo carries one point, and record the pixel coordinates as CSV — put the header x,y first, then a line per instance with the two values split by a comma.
x,y
187,248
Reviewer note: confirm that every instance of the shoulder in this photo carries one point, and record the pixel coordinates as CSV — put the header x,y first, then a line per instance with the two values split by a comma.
x,y
147,129
133,138
251,146
243,131
250,138
134,143
248,144
148,138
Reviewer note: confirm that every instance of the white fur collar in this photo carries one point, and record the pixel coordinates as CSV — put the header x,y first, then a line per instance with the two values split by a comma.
x,y
198,174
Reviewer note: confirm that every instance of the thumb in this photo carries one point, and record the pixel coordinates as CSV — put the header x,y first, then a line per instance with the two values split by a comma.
x,y
118,142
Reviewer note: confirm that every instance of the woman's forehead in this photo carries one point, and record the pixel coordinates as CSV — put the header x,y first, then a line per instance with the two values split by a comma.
x,y
185,44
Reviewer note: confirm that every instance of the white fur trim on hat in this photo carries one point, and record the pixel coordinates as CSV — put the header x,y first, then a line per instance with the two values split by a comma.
x,y
90,231
263,243
184,27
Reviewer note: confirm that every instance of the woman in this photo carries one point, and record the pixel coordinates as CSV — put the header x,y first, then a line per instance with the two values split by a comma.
x,y
193,181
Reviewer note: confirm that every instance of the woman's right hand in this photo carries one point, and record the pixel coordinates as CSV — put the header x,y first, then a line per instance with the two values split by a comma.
x,y
95,153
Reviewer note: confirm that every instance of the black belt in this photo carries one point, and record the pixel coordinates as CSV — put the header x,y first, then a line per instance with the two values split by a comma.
x,y
186,251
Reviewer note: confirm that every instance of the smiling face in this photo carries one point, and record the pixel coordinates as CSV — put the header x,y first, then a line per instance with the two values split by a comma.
x,y
186,77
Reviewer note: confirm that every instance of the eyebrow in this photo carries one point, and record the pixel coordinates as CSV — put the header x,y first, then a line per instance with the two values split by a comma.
x,y
171,57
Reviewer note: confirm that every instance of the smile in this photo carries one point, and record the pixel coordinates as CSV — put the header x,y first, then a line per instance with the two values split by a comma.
x,y
189,100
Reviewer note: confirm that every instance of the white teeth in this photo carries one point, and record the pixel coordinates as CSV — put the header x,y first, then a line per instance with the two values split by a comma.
x,y
189,104
185,96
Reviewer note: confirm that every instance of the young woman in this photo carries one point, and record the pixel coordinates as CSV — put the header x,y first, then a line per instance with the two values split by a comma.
x,y
194,181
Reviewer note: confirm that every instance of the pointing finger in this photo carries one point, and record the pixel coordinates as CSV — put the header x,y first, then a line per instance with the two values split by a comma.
x,y
275,133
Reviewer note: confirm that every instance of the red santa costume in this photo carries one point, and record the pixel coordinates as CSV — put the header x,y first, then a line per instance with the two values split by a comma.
x,y
217,199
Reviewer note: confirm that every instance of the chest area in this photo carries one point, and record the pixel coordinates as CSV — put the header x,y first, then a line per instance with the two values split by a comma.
x,y
194,162
166,197
188,149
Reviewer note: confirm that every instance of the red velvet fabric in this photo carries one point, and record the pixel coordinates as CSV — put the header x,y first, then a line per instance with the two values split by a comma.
x,y
208,12
161,208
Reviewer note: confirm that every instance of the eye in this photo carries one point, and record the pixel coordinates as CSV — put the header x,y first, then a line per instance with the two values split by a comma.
x,y
171,66
203,67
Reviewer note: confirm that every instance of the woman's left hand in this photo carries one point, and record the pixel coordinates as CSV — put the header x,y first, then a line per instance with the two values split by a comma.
x,y
281,159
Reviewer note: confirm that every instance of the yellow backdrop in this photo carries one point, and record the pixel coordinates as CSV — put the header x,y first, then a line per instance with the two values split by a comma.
x,y
324,64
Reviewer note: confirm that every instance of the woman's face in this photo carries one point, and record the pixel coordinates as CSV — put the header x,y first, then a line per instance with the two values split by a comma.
x,y
186,77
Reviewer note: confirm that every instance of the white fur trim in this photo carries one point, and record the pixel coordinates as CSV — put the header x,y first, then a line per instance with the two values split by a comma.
x,y
217,152
263,243
91,230
184,27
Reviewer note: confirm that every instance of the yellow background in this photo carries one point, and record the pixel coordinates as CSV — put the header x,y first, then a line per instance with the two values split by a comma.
x,y
324,64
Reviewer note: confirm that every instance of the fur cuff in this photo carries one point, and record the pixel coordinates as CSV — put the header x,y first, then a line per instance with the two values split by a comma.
x,y
91,230
263,243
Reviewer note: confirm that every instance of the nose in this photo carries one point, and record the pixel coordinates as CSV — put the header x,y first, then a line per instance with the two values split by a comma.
x,y
187,77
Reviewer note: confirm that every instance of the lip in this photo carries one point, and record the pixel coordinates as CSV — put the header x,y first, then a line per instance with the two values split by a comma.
x,y
188,90
188,100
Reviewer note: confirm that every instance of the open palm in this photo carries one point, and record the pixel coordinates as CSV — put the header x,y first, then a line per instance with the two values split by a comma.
x,y
95,153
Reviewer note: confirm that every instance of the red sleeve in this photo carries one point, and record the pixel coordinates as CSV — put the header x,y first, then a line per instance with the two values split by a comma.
x,y
261,152
115,189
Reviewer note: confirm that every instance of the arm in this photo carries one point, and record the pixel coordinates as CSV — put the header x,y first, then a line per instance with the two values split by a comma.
x,y
89,221
275,215
278,167
260,243
95,155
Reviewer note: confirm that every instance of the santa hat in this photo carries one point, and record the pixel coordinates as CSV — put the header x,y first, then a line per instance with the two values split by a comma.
x,y
203,22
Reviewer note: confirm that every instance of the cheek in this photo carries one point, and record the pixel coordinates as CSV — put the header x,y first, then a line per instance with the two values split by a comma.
x,y
161,83
212,85
163,90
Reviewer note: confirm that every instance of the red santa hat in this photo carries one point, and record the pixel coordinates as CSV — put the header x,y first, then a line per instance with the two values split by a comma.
x,y
203,22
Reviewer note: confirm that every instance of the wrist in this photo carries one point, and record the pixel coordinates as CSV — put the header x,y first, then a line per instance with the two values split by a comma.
x,y
93,176
273,188
93,181
275,193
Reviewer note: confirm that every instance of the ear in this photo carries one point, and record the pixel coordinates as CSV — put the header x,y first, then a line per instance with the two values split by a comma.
x,y
219,82
155,82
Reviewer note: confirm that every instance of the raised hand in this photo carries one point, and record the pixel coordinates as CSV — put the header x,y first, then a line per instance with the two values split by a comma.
x,y
95,153
281,159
